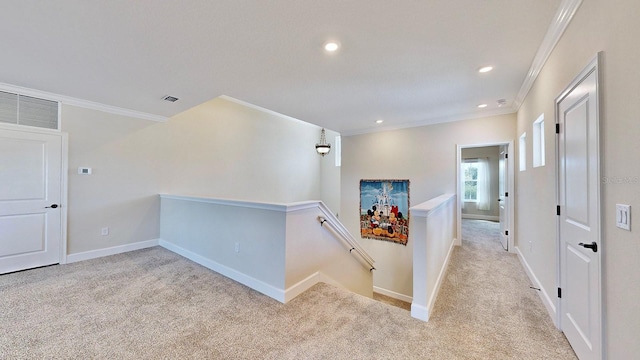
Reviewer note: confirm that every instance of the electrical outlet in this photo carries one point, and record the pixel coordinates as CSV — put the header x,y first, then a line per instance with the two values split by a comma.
x,y
104,231
237,248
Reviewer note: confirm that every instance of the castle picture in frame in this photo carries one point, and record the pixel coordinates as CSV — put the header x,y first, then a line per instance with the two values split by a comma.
x,y
384,210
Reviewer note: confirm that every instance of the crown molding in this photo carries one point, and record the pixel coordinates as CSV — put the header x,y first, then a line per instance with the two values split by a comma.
x,y
560,22
68,100
264,110
432,121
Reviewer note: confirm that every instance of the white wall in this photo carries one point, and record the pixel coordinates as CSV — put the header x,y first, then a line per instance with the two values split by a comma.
x,y
212,230
427,157
220,149
313,248
433,224
611,27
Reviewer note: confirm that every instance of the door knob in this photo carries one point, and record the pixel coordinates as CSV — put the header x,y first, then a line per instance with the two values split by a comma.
x,y
593,246
53,206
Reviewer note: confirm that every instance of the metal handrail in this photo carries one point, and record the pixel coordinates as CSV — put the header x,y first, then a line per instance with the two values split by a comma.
x,y
342,234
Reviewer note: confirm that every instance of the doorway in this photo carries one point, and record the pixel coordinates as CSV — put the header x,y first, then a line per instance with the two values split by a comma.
x,y
32,198
579,207
484,179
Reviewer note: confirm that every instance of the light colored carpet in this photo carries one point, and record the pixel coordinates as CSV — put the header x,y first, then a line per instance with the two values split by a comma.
x,y
153,304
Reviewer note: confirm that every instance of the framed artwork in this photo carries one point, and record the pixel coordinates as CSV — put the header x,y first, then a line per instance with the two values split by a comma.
x,y
384,210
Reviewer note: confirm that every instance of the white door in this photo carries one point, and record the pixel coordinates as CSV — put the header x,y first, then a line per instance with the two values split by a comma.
x,y
30,199
503,198
579,220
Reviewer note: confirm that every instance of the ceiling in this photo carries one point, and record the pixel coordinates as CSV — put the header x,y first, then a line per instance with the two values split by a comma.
x,y
406,62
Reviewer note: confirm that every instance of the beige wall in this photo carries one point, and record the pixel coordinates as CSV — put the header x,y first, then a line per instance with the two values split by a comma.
x,y
427,157
126,157
218,149
611,27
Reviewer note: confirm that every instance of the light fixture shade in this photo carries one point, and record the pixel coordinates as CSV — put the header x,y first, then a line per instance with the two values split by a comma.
x,y
323,148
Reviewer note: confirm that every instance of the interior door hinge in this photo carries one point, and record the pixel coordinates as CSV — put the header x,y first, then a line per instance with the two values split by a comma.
x,y
506,194
506,156
560,293
506,232
557,128
558,210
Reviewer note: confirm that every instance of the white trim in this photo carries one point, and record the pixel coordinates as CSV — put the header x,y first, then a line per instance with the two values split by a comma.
x,y
419,312
560,22
431,121
443,271
94,254
428,207
480,217
68,100
393,294
544,295
64,197
246,204
302,286
258,285
266,111
511,188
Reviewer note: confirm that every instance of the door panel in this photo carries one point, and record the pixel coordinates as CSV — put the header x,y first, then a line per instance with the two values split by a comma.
x,y
23,168
579,223
30,182
577,152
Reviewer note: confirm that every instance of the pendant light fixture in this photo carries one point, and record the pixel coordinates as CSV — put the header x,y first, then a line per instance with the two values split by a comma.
x,y
323,148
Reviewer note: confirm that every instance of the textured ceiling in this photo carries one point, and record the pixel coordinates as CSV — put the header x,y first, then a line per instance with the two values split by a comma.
x,y
405,61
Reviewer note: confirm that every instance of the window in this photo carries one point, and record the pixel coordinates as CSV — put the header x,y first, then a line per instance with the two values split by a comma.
x,y
538,142
470,182
523,152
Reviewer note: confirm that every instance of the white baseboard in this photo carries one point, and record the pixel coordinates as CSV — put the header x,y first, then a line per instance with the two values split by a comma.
x,y
94,254
419,312
443,271
303,286
544,295
481,217
393,294
258,285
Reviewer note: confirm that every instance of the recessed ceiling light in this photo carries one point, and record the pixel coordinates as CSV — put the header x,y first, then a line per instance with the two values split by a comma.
x,y
482,106
501,102
485,69
379,121
331,46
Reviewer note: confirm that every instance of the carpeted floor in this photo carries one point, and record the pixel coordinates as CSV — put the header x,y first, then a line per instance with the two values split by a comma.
x,y
153,304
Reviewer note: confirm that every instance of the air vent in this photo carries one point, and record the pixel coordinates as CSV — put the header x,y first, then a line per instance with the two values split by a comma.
x,y
170,98
501,102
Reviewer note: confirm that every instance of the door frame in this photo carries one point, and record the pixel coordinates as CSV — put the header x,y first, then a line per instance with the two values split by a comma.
x,y
510,182
593,66
63,181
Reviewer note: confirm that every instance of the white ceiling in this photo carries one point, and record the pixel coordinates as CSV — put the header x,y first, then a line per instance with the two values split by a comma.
x,y
409,62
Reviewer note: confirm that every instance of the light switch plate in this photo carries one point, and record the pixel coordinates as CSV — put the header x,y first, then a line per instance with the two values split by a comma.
x,y
623,216
84,171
